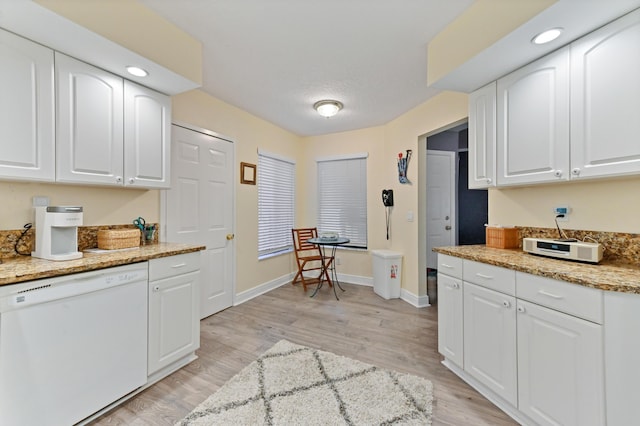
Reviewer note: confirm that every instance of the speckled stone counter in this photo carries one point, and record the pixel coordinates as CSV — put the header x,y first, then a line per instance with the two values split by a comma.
x,y
606,275
29,268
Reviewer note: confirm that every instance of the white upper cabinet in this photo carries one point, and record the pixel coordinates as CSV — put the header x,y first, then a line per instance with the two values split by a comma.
x,y
533,122
89,142
605,100
482,137
26,110
147,136
110,131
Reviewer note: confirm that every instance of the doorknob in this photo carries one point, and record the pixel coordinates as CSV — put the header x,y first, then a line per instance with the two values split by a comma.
x,y
448,227
230,236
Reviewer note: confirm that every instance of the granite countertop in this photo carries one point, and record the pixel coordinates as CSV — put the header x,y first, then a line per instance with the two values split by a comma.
x,y
604,275
29,268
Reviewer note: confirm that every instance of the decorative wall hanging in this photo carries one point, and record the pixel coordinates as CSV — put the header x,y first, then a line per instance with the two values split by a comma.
x,y
403,163
248,173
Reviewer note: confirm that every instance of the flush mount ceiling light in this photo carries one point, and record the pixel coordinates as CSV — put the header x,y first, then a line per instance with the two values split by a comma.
x,y
137,71
547,36
327,108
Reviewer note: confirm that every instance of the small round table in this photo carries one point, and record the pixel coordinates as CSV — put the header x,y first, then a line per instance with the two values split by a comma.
x,y
323,243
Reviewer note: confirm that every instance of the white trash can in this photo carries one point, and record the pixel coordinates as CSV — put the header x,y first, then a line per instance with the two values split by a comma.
x,y
387,273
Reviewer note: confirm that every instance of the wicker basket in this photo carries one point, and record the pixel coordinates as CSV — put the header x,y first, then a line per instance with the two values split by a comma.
x,y
502,237
113,239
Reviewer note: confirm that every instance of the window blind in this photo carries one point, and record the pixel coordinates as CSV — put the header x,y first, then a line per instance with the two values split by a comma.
x,y
342,198
276,203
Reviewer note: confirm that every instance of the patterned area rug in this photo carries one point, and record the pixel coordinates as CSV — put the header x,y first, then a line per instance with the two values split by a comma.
x,y
293,385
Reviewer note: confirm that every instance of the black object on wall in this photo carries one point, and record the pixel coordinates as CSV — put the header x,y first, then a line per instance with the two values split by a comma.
x,y
472,206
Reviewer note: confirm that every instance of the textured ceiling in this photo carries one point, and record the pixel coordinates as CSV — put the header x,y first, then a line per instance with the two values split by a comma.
x,y
276,58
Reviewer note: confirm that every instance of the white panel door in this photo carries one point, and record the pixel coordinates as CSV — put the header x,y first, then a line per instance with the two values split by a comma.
x,y
90,133
450,319
560,367
26,110
147,137
533,122
441,198
605,100
200,210
482,137
490,340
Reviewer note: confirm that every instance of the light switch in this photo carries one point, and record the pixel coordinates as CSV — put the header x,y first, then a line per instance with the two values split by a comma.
x,y
409,216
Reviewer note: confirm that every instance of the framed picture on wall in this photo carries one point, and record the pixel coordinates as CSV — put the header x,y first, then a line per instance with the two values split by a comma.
x,y
248,173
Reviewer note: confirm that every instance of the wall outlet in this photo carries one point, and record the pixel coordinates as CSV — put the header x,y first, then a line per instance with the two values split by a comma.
x,y
564,210
40,201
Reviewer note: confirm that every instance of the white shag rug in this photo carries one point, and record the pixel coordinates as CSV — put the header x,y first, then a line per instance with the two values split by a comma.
x,y
293,385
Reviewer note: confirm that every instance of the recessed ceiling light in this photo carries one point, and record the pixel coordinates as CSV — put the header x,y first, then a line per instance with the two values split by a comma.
x,y
137,71
547,36
327,108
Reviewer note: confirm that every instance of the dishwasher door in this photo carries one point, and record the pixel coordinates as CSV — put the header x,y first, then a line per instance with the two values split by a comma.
x,y
72,345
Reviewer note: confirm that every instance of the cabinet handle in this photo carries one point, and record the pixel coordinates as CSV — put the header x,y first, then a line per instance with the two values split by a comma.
x,y
553,296
488,180
446,266
179,265
506,303
558,173
486,277
456,285
575,171
521,309
119,179
156,288
132,180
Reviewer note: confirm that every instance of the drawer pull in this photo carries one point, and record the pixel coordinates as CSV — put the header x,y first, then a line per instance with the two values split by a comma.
x,y
486,277
551,295
521,309
447,266
179,265
506,303
156,288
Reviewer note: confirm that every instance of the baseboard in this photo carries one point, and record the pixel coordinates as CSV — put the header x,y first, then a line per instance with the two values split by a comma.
x,y
355,279
415,300
262,289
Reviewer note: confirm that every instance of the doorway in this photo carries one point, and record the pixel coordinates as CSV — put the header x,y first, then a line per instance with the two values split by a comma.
x,y
470,206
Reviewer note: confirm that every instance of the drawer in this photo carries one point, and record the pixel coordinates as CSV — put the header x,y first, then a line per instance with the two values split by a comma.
x,y
489,276
171,266
573,299
450,265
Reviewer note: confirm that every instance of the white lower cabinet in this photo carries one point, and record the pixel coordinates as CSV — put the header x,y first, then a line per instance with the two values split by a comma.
x,y
450,327
560,367
174,320
490,339
532,345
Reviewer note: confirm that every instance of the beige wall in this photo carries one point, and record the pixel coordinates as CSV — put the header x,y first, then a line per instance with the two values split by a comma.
x,y
249,134
600,205
102,206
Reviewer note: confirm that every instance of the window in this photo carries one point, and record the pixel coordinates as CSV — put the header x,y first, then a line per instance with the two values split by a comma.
x,y
342,198
276,201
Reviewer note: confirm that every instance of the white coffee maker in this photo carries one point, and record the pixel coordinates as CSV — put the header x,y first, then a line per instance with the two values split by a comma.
x,y
57,232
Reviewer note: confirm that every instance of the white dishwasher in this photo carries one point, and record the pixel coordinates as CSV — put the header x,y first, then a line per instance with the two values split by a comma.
x,y
71,345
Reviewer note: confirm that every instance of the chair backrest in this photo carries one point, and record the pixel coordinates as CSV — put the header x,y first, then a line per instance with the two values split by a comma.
x,y
300,237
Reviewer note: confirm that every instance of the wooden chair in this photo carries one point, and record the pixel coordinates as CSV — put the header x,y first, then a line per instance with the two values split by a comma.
x,y
308,258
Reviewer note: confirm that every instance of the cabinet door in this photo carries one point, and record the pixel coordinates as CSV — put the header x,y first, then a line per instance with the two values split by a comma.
x,y
490,340
174,321
482,137
533,122
147,136
450,319
89,143
605,100
26,110
560,367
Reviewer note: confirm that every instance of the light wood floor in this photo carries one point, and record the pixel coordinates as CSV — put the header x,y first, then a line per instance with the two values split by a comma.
x,y
388,333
